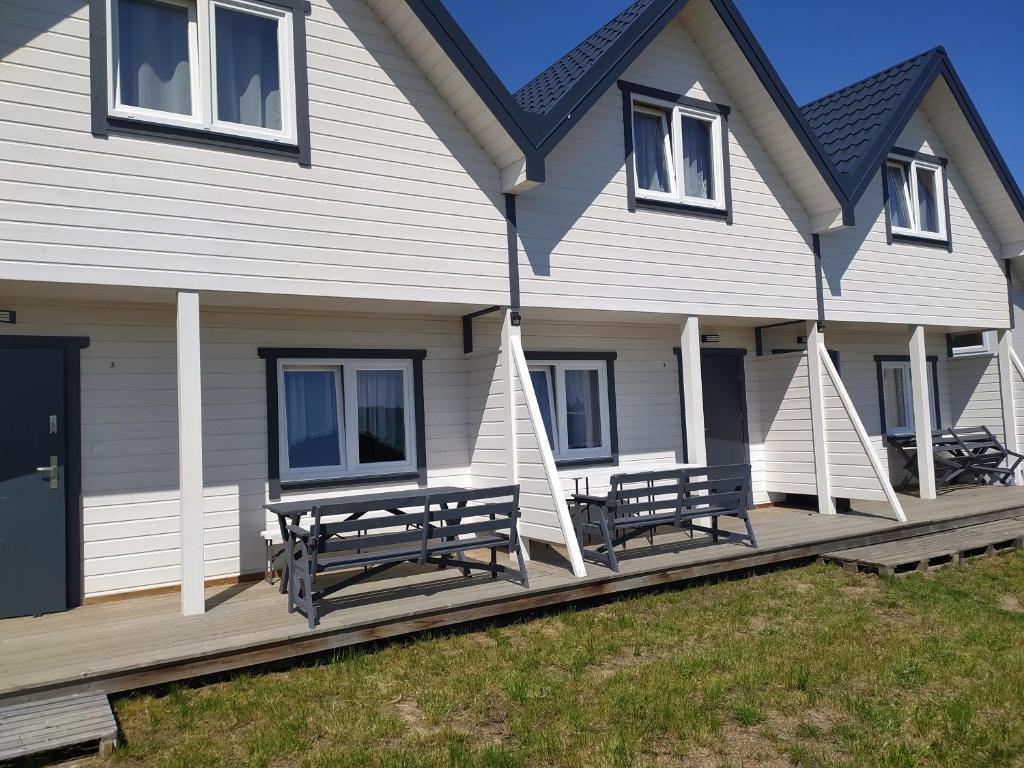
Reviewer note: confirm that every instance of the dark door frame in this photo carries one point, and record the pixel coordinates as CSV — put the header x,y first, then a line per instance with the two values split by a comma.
x,y
714,352
71,346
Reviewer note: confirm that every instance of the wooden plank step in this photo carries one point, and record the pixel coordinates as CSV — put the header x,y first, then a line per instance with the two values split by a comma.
x,y
924,553
37,727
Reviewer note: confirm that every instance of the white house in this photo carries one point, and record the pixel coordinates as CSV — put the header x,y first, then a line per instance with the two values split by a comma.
x,y
261,249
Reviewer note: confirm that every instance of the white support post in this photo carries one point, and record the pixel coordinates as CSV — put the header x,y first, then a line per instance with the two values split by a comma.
x,y
815,351
923,409
1010,437
508,331
190,456
693,392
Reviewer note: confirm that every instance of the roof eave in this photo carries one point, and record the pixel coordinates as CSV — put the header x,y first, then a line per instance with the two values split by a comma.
x,y
457,46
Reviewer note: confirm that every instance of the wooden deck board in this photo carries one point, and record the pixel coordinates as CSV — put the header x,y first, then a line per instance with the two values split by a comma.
x,y
141,641
37,727
929,550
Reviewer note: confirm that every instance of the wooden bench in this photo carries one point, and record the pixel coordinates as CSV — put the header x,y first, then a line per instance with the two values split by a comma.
x,y
439,533
970,453
639,503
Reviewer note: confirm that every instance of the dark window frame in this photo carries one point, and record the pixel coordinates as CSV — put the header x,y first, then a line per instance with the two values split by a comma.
x,y
951,347
104,124
608,358
897,237
634,203
933,360
273,355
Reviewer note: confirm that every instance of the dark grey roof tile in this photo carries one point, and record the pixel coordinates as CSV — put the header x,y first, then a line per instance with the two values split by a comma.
x,y
849,121
542,93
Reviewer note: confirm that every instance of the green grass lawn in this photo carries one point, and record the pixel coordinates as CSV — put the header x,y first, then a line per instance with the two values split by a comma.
x,y
806,667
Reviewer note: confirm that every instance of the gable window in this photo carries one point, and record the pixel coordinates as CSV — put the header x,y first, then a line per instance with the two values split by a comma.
x,y
677,153
206,69
575,397
344,415
971,343
897,395
916,193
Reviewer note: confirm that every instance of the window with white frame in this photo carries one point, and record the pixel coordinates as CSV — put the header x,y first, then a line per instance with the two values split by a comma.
x,y
573,400
677,154
223,66
971,343
345,418
916,191
898,396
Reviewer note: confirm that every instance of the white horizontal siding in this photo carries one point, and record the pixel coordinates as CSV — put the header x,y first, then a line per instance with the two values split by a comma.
x,y
400,202
581,245
868,280
1018,399
851,475
783,395
975,399
487,414
129,425
646,389
538,513
857,348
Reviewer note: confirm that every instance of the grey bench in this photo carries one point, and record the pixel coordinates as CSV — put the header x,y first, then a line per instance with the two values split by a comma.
x,y
639,503
439,532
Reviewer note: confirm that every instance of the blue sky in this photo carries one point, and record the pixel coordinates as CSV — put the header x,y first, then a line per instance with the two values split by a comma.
x,y
816,46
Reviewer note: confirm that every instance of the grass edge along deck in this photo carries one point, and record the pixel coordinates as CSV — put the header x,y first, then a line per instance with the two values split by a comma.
x,y
202,662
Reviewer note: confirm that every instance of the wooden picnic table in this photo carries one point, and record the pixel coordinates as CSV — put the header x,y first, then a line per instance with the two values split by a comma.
x,y
972,453
351,507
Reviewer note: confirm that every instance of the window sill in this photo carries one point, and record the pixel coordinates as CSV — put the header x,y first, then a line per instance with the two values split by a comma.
x,y
650,204
341,482
979,353
589,462
898,237
149,129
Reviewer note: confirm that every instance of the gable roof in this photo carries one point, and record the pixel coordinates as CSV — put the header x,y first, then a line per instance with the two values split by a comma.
x,y
543,111
851,121
858,125
542,94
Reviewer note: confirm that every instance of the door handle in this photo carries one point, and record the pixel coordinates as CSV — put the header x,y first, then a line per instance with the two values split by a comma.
x,y
52,469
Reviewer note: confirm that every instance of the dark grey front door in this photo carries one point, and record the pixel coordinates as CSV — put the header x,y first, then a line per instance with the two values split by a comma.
x,y
725,406
33,455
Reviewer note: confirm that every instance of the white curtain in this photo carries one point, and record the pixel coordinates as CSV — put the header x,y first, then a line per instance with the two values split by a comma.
x,y
153,63
311,412
926,203
248,74
649,146
895,399
381,398
541,389
899,205
697,178
583,409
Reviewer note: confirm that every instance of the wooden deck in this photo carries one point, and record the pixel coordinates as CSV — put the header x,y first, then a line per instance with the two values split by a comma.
x,y
145,641
935,550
